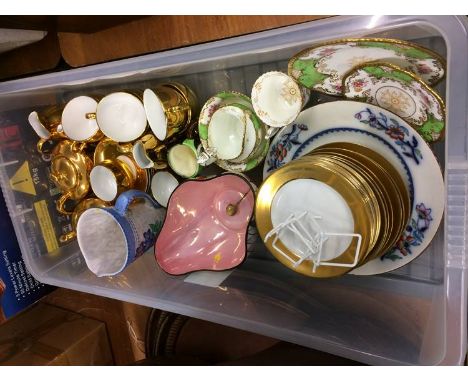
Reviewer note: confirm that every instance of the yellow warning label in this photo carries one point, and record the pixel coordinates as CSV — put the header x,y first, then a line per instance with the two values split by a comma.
x,y
48,232
22,180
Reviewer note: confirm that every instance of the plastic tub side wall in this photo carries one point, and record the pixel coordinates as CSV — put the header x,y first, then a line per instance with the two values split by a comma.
x,y
455,257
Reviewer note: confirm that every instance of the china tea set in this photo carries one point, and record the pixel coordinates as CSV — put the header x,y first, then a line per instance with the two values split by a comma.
x,y
349,185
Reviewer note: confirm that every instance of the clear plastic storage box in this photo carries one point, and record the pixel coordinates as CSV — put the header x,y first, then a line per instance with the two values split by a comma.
x,y
414,315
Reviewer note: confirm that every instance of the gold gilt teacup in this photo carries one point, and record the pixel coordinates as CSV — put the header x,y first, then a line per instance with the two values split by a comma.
x,y
149,152
189,95
109,150
70,169
78,210
128,115
169,109
110,178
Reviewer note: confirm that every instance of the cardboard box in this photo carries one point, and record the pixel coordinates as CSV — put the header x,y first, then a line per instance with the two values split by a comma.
x,y
18,289
125,322
47,335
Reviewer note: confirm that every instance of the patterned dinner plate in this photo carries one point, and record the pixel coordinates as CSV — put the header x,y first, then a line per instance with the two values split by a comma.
x,y
322,67
391,137
401,92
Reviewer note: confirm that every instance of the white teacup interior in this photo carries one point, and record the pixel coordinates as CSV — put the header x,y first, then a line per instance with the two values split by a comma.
x,y
104,183
321,200
75,122
121,117
183,160
276,98
102,242
226,132
163,185
155,114
139,154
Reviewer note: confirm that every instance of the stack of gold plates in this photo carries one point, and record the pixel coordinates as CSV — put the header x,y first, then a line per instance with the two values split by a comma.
x,y
347,189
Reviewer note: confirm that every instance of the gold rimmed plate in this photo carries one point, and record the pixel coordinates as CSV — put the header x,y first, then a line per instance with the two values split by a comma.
x,y
386,192
373,189
393,186
355,180
387,172
313,183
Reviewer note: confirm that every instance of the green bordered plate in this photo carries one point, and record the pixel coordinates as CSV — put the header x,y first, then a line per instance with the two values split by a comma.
x,y
322,67
397,90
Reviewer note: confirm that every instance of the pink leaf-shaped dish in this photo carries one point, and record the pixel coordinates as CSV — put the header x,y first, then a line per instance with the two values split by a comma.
x,y
206,225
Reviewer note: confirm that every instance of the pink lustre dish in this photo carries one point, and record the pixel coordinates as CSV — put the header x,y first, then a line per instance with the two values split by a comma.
x,y
206,225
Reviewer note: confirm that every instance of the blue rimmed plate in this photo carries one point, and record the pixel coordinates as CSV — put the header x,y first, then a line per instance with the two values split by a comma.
x,y
388,135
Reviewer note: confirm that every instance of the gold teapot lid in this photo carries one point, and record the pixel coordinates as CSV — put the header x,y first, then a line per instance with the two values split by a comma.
x,y
68,148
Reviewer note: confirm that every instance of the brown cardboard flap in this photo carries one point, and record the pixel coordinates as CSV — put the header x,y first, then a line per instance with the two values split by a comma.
x,y
47,335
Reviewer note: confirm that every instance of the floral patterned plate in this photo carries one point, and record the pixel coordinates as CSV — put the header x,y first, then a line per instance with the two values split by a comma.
x,y
322,67
388,135
401,92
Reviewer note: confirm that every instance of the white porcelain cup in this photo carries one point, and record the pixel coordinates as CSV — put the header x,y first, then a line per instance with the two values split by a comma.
x,y
277,99
111,238
79,119
149,152
163,185
168,109
121,117
110,178
183,159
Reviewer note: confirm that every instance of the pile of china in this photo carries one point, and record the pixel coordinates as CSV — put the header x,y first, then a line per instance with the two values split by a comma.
x,y
349,185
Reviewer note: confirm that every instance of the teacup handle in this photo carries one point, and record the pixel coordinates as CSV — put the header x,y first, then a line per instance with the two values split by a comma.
x,y
204,158
52,137
128,197
40,145
61,204
66,237
175,109
142,159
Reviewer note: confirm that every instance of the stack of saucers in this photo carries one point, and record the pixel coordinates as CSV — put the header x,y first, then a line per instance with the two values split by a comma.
x,y
347,197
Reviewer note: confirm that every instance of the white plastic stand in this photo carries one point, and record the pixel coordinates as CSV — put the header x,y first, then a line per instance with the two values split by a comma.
x,y
313,239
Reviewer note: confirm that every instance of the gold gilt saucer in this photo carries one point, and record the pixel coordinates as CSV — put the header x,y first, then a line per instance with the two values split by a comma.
x,y
326,174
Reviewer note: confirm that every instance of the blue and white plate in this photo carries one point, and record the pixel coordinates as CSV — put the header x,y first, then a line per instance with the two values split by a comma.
x,y
388,135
